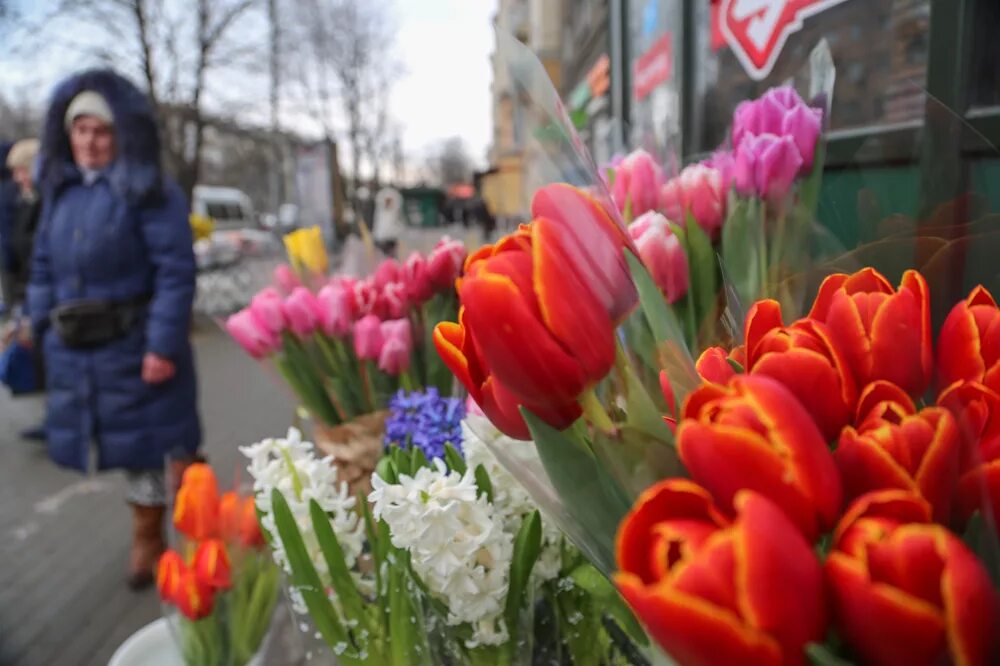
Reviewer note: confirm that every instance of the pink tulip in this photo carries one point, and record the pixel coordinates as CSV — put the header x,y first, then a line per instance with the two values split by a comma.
x,y
302,312
723,162
396,302
661,252
365,296
255,338
417,279
336,310
637,183
368,339
445,262
698,190
266,306
285,278
397,347
804,125
388,271
766,166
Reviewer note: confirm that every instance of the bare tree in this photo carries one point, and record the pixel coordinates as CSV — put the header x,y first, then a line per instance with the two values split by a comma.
x,y
450,163
343,70
172,47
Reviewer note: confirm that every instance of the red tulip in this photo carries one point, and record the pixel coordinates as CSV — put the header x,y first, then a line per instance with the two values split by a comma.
x,y
882,332
444,264
898,447
365,298
395,300
977,412
714,366
908,592
388,271
196,508
969,344
802,357
459,353
539,308
754,434
711,592
211,564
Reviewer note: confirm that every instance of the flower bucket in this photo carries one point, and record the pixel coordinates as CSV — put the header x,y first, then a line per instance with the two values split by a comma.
x,y
153,645
356,447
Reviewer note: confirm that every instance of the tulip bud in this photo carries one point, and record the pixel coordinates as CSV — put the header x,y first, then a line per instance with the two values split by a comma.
x,y
365,297
395,299
388,271
249,527
169,573
211,565
255,338
661,252
637,183
804,125
266,306
229,516
285,279
368,339
301,310
196,508
336,310
395,355
417,279
766,166
444,264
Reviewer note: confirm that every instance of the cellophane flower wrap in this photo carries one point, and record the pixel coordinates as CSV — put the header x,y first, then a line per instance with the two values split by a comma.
x,y
345,344
217,584
779,453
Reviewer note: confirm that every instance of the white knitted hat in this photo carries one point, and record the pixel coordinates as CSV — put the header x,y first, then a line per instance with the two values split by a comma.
x,y
89,103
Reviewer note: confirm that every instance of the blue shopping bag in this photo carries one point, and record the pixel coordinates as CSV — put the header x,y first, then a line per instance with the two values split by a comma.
x,y
18,370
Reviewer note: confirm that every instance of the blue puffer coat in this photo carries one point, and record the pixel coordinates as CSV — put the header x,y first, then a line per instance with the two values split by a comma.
x,y
124,236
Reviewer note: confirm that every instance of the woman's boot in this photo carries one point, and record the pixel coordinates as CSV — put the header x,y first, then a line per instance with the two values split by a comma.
x,y
147,545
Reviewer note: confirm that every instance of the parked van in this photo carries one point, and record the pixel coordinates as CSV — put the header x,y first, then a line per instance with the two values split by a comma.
x,y
228,207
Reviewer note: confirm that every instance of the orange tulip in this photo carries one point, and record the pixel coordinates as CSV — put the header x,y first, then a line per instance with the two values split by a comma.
x,y
906,592
196,511
713,592
195,600
211,564
754,434
229,516
802,356
249,526
169,573
883,333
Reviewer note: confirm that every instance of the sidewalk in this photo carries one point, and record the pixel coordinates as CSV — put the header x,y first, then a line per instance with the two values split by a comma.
x,y
64,537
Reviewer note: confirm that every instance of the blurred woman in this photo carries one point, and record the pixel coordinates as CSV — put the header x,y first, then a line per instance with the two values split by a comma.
x,y
24,218
110,296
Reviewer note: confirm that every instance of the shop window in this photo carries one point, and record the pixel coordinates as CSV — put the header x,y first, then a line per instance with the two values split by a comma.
x,y
880,49
984,88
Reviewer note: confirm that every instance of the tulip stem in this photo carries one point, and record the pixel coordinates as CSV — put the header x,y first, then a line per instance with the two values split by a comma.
x,y
595,412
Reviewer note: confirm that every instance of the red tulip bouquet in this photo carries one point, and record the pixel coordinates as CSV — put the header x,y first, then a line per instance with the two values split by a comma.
x,y
220,583
346,348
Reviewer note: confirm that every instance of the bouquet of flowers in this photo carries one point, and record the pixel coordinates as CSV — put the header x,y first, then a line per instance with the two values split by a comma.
x,y
799,492
349,345
446,564
219,581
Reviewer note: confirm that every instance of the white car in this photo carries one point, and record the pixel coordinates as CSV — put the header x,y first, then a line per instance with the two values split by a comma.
x,y
228,207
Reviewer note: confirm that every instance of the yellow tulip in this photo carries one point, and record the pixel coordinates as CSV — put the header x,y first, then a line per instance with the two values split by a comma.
x,y
306,250
201,226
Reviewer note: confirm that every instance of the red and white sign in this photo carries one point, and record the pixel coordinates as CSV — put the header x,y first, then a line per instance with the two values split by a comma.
x,y
756,30
653,67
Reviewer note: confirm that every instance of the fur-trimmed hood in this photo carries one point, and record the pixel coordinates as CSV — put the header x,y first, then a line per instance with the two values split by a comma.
x,y
136,172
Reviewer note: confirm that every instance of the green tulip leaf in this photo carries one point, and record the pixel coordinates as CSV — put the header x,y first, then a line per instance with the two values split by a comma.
x,y
741,259
702,267
595,584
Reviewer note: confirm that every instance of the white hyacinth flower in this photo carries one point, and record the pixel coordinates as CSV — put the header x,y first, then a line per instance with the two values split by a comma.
x,y
291,466
457,543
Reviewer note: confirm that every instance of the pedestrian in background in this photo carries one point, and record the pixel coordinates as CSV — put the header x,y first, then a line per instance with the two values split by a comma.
x,y
110,296
8,195
388,225
23,222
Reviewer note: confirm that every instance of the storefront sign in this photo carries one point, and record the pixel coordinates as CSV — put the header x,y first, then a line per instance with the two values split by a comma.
x,y
654,67
756,30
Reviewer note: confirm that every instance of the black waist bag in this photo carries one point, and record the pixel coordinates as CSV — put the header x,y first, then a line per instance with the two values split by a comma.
x,y
91,323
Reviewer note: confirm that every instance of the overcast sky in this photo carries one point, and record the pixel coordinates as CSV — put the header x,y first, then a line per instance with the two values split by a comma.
x,y
444,46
